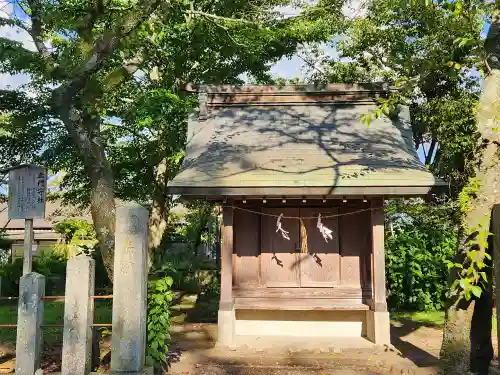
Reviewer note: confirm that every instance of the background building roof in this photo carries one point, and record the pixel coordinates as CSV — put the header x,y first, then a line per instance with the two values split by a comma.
x,y
54,212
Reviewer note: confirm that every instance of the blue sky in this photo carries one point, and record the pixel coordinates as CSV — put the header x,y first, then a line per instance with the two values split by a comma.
x,y
288,68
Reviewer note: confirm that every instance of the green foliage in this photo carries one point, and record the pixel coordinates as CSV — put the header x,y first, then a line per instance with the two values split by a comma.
x,y
449,121
183,266
75,229
5,247
158,323
468,192
420,239
472,275
80,238
10,274
428,55
207,304
141,119
106,105
51,265
199,216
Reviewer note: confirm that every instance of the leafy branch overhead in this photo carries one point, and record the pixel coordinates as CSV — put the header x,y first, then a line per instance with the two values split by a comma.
x,y
104,105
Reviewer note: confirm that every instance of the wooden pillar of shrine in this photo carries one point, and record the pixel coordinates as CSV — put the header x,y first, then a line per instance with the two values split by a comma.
x,y
226,316
378,323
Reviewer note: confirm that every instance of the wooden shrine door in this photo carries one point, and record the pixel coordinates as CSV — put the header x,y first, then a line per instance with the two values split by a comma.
x,y
279,256
304,260
319,258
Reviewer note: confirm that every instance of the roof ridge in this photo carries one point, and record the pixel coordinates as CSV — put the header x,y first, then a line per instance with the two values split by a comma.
x,y
289,89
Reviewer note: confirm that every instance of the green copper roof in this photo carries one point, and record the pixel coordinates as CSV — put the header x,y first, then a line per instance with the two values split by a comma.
x,y
281,148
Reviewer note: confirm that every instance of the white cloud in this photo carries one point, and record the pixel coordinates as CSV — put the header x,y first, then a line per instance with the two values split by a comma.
x,y
13,81
288,11
7,10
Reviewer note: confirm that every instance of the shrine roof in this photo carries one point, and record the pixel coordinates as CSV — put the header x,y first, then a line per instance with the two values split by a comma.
x,y
299,140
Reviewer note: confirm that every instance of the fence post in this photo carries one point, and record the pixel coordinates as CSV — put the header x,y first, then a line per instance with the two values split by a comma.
x,y
130,289
29,320
78,316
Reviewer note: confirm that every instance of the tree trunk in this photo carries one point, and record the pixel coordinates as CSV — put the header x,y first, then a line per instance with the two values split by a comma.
x,y
478,220
455,349
495,249
480,333
102,207
84,129
160,209
204,214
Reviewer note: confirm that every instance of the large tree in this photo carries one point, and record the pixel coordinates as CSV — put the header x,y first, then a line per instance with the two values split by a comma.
x,y
103,103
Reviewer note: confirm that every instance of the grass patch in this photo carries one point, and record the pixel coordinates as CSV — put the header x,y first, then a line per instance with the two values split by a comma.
x,y
189,308
429,318
425,318
53,314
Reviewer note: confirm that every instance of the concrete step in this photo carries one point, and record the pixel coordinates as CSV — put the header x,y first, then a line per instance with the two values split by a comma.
x,y
274,370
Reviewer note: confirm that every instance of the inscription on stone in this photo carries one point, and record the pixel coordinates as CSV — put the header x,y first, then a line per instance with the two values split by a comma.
x,y
133,224
130,293
27,190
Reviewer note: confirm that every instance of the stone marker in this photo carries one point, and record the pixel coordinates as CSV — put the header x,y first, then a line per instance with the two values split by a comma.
x,y
130,289
78,316
29,320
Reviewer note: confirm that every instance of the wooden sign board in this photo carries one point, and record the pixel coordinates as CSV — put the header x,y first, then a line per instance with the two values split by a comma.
x,y
27,192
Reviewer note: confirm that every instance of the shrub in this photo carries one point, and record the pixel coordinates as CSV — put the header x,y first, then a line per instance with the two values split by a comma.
x,y
5,247
52,266
420,237
158,324
75,229
183,266
10,274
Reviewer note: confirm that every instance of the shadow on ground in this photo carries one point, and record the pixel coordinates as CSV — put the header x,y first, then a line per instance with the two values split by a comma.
x,y
193,351
401,329
195,308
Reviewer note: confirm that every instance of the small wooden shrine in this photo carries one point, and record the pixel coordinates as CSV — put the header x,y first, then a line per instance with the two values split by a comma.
x,y
303,183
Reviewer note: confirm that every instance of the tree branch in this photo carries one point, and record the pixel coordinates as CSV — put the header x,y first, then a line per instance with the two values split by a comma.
x,y
430,154
311,64
88,21
37,27
212,20
118,76
106,46
220,18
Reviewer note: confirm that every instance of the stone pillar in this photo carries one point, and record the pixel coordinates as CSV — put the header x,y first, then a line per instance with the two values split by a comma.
x,y
29,320
78,316
377,319
130,289
28,246
226,316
